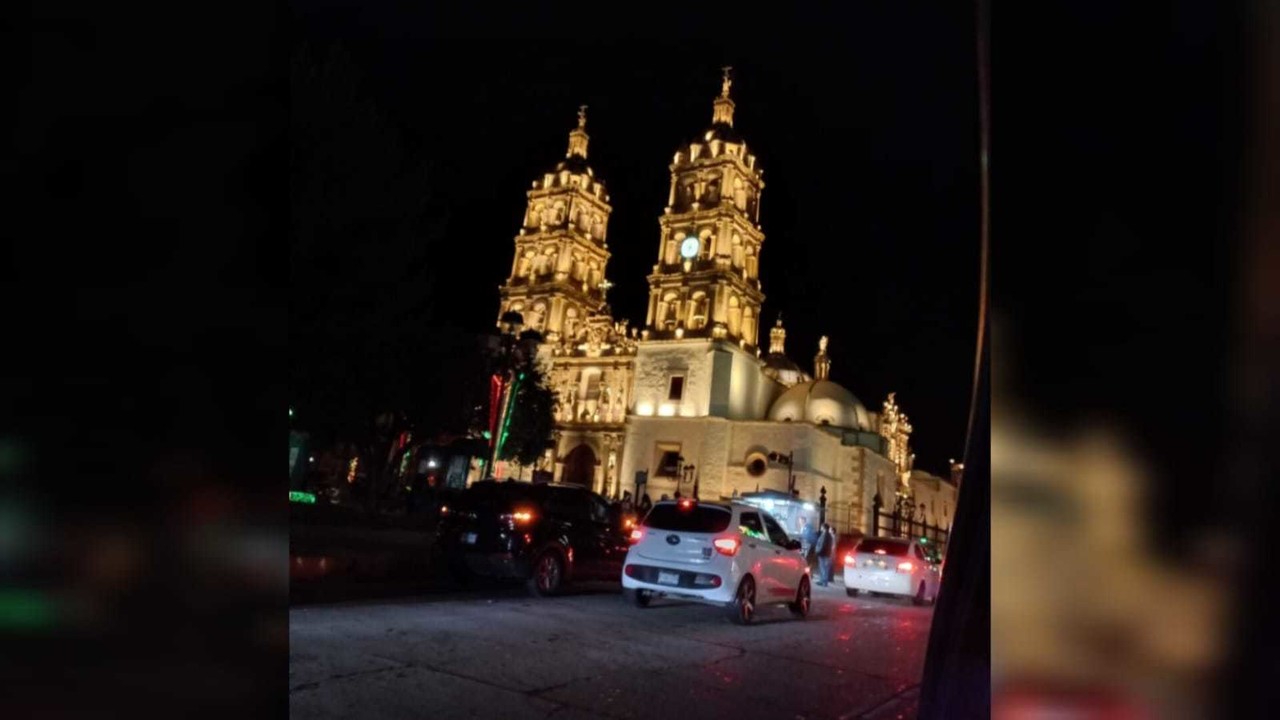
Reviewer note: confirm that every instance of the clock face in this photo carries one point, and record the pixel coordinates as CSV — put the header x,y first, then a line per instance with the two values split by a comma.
x,y
689,247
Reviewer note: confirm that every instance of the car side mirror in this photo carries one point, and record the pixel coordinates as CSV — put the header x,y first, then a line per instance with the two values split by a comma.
x,y
793,544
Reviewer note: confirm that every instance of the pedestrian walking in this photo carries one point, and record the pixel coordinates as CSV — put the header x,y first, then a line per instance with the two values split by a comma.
x,y
826,542
830,574
808,540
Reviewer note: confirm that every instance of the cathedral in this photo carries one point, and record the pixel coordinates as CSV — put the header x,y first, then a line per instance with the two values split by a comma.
x,y
691,398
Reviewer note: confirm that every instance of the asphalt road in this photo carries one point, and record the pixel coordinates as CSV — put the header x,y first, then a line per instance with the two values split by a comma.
x,y
496,652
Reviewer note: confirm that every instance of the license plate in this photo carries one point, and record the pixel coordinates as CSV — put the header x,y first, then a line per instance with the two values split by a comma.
x,y
668,578
469,538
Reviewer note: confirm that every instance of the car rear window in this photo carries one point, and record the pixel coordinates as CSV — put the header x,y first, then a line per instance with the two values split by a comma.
x,y
889,547
694,518
500,497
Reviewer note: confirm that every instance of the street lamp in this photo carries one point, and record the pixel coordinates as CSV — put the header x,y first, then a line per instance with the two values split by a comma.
x,y
691,471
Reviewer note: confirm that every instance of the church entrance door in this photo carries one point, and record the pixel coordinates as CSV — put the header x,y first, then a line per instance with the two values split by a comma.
x,y
580,467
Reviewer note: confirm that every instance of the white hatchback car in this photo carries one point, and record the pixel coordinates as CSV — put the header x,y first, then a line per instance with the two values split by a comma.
x,y
894,566
728,554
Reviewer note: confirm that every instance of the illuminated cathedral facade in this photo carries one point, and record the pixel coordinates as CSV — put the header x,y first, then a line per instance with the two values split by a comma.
x,y
691,396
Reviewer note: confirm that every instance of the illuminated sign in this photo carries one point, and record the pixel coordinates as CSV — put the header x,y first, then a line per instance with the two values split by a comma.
x,y
302,497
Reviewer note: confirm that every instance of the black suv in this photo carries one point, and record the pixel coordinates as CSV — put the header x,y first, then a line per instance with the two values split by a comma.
x,y
545,534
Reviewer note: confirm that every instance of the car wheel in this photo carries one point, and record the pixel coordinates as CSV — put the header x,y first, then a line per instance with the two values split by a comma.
x,y
851,592
919,597
800,608
742,610
548,574
641,598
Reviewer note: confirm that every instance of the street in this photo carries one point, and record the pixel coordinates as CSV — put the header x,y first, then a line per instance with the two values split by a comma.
x,y
496,652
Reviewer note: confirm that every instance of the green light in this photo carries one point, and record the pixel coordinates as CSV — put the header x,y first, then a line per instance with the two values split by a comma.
x,y
24,609
302,497
506,422
487,435
290,412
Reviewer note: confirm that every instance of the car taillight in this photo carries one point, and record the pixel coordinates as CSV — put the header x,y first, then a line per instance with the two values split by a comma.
x,y
905,566
850,560
630,570
636,536
519,517
727,546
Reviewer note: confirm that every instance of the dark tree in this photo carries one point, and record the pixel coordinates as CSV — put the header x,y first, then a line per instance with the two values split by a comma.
x,y
529,431
363,367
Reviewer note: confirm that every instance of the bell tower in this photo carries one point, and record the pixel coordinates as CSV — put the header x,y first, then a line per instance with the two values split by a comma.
x,y
557,275
706,282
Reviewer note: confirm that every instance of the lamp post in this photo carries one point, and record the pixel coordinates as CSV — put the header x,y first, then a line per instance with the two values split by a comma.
x,y
691,471
679,473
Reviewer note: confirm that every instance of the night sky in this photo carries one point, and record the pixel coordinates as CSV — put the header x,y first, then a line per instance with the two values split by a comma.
x,y
868,140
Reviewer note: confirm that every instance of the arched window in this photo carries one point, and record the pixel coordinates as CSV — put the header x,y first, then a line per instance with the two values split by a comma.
x,y
685,195
698,311
669,309
536,317
571,323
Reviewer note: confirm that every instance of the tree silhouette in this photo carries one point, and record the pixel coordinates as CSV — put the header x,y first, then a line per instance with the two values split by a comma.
x,y
363,365
530,426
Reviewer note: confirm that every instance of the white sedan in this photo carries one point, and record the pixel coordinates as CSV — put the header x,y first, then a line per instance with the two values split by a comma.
x,y
729,554
893,566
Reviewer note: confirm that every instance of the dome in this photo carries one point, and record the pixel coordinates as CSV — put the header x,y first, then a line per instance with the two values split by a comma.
x,y
781,368
821,402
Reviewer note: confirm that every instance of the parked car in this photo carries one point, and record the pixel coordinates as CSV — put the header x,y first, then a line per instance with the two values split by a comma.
x,y
728,554
893,566
548,535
